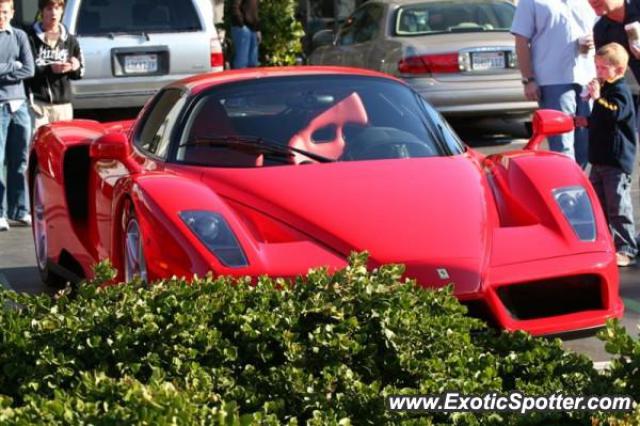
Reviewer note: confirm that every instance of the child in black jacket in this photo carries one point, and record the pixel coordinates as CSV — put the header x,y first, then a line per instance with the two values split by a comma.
x,y
612,147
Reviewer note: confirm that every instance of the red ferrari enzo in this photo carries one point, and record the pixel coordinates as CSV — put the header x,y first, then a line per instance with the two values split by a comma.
x,y
275,171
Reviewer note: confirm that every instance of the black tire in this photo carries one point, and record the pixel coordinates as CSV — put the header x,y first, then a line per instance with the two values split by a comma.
x,y
40,235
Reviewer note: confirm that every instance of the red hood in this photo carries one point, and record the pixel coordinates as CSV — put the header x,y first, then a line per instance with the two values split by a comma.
x,y
426,213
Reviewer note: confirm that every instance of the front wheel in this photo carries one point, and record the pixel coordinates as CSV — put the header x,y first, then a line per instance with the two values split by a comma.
x,y
40,233
134,261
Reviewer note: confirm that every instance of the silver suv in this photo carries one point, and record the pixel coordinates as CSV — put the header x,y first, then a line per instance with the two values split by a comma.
x,y
132,48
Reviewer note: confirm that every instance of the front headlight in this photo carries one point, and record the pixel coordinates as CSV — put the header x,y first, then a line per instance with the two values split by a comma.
x,y
213,231
576,207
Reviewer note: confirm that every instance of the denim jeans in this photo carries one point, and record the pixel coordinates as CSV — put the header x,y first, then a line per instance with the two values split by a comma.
x,y
566,98
245,46
613,187
15,134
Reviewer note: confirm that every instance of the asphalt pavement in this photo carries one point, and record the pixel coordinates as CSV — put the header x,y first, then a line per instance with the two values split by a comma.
x,y
18,270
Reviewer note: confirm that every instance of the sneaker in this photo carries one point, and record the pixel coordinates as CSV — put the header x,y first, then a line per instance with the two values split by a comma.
x,y
4,225
623,259
25,219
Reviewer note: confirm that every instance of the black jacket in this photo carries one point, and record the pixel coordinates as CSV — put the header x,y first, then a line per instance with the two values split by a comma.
x,y
607,31
612,127
46,86
245,12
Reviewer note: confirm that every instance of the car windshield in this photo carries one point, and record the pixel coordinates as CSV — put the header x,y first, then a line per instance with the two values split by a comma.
x,y
454,16
112,17
319,119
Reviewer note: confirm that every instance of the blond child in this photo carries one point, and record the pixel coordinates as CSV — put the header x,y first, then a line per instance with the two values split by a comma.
x,y
612,147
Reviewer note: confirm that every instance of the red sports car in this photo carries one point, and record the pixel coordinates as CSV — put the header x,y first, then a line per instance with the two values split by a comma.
x,y
275,171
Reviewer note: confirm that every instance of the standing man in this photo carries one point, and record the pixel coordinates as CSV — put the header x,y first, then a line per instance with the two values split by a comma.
x,y
547,34
245,33
16,65
58,60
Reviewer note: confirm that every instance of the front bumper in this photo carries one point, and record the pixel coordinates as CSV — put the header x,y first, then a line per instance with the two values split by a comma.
x,y
590,294
119,92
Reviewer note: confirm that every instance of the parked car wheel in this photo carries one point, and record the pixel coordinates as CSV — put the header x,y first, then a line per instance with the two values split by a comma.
x,y
133,253
40,234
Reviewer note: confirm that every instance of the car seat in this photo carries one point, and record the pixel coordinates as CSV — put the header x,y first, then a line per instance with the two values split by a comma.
x,y
212,122
408,23
437,21
348,110
455,16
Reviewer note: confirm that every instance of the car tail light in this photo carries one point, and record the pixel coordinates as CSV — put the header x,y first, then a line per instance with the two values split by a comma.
x,y
430,64
217,59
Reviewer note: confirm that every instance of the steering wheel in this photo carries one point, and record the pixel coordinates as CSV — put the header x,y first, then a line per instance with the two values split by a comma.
x,y
385,143
392,149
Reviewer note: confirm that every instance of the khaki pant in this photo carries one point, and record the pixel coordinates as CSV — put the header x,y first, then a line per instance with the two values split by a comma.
x,y
44,113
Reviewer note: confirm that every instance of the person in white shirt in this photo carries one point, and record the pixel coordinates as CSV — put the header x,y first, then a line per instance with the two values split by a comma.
x,y
548,35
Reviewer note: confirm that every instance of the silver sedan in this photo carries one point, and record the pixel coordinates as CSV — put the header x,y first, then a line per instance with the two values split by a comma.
x,y
459,54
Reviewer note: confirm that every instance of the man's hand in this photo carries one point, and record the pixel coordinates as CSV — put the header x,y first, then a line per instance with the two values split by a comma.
x,y
532,91
18,64
61,68
259,37
75,63
587,41
635,49
594,89
579,121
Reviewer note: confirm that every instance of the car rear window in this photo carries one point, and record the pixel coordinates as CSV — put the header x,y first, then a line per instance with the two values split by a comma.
x,y
104,17
450,16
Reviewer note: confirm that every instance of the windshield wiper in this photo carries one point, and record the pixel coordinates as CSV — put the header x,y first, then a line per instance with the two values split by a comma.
x,y
255,143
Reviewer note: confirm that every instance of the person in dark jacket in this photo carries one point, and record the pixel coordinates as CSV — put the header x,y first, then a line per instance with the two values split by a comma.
x,y
245,33
58,60
612,147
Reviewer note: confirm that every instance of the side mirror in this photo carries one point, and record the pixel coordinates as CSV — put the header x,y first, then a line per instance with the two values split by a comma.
x,y
548,122
322,38
112,146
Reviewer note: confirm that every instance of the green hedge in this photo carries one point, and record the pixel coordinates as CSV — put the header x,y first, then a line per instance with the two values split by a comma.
x,y
281,32
325,350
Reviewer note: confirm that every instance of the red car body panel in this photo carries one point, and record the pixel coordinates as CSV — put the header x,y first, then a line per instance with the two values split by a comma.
x,y
485,224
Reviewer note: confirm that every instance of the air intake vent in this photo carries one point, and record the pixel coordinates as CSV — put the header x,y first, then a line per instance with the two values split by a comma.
x,y
552,297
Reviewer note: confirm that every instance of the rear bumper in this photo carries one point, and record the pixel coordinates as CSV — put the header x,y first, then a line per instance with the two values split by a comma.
x,y
119,92
465,98
601,270
112,100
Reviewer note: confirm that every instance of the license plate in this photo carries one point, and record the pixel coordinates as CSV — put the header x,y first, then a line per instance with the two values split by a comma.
x,y
140,64
484,61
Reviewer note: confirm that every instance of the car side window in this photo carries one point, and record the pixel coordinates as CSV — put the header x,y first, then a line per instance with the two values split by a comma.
x,y
346,34
155,135
369,26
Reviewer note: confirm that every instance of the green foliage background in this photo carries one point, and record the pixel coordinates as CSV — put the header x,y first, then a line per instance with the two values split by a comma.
x,y
281,32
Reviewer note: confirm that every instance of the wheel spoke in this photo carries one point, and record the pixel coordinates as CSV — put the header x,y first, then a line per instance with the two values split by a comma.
x,y
39,224
134,257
